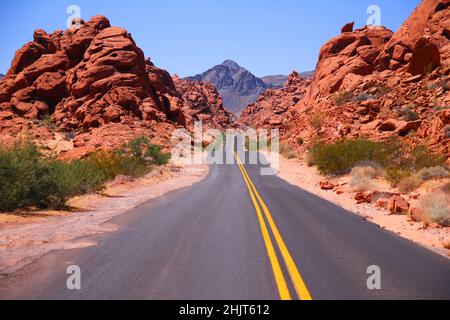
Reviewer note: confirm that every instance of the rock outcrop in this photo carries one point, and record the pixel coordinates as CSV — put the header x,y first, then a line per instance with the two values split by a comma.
x,y
93,81
203,103
372,83
426,31
272,108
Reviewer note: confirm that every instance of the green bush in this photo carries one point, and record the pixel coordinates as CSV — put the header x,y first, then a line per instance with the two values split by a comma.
x,y
29,179
18,167
396,159
342,156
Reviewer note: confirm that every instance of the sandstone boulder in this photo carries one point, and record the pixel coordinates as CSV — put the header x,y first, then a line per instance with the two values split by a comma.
x,y
398,205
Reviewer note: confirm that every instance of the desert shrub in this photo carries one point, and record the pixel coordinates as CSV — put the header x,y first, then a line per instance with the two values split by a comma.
x,y
361,183
409,184
391,158
366,171
310,160
433,173
317,121
361,178
363,174
409,114
342,97
340,157
382,90
141,149
436,208
376,168
29,179
18,167
69,135
422,157
300,141
363,97
287,151
403,162
394,175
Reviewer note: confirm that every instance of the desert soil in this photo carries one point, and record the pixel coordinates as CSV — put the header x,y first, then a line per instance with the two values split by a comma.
x,y
26,236
297,172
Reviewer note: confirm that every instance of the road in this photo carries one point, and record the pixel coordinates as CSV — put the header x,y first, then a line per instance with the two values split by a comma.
x,y
242,236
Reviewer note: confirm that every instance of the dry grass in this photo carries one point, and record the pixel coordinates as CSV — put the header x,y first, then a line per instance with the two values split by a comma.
x,y
361,183
434,173
362,177
288,152
409,184
436,208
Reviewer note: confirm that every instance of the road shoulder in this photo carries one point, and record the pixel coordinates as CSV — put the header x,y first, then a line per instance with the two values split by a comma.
x,y
26,236
297,173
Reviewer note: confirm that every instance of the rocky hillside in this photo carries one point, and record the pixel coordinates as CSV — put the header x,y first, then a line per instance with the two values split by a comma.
x,y
237,86
92,85
375,83
271,108
202,103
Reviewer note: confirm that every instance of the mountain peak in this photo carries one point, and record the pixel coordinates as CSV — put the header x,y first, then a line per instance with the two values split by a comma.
x,y
237,86
231,64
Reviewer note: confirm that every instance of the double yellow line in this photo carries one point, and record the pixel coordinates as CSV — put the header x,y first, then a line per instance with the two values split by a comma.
x,y
296,278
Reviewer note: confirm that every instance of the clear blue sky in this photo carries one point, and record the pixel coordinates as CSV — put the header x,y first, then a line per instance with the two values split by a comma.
x,y
189,36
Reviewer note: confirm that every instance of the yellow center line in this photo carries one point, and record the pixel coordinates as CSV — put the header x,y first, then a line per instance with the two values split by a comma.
x,y
299,283
276,268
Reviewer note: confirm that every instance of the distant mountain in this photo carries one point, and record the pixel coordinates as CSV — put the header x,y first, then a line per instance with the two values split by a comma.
x,y
2,76
276,81
237,86
279,81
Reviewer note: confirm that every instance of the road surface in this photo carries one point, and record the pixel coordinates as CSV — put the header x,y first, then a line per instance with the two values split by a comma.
x,y
241,236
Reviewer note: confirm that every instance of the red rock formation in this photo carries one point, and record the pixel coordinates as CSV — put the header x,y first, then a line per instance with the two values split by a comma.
x,y
93,80
348,27
273,106
370,83
431,21
346,59
202,103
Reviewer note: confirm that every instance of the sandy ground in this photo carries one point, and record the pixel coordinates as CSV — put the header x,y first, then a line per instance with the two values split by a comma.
x,y
296,172
27,236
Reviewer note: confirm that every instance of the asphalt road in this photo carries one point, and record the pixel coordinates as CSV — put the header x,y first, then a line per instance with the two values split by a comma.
x,y
223,239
